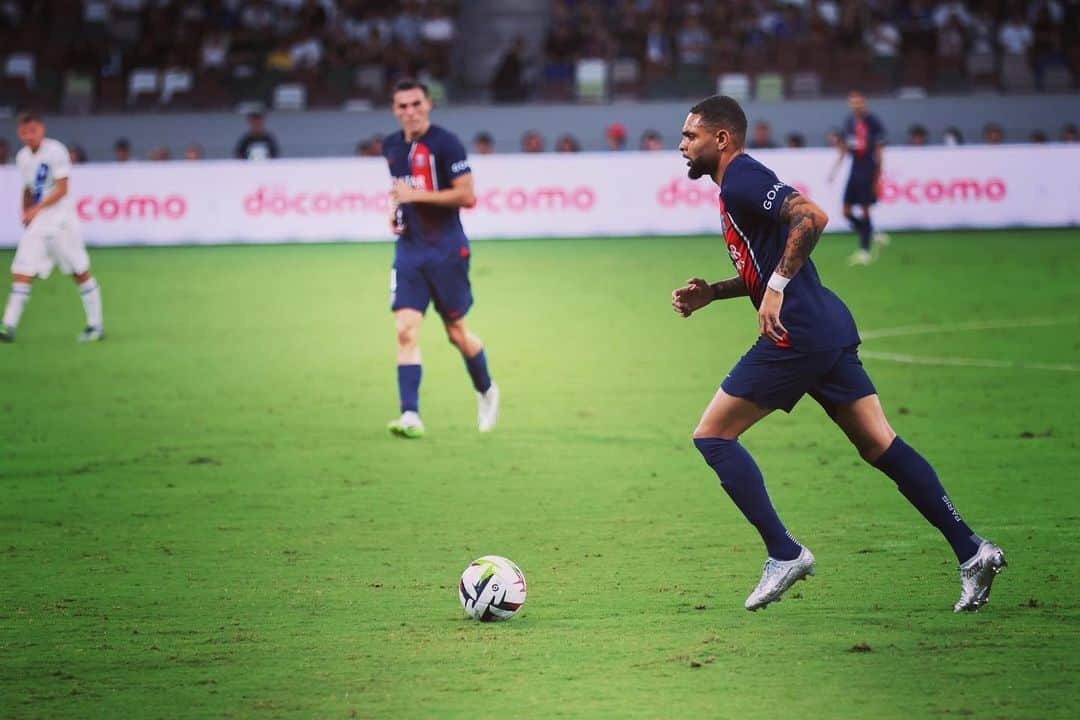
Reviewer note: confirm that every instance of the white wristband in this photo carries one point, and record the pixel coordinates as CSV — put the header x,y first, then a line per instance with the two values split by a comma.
x,y
778,282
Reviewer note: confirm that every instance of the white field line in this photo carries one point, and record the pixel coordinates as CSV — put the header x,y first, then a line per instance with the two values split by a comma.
x,y
966,362
967,326
975,326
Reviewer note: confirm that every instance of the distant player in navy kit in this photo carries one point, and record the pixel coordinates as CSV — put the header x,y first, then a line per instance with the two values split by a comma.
x,y
808,345
864,140
431,182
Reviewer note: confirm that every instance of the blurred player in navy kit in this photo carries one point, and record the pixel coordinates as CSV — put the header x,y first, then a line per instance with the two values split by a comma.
x,y
808,345
864,139
432,181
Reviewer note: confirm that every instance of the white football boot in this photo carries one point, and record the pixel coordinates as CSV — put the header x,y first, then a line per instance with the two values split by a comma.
x,y
487,408
860,257
778,576
977,575
408,425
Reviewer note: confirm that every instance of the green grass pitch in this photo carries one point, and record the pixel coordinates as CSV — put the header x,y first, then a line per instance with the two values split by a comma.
x,y
204,516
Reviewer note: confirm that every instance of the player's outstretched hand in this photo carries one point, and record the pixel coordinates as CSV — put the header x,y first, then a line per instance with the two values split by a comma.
x,y
695,295
769,316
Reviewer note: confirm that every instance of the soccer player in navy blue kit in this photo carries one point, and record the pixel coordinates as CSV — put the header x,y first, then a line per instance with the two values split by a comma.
x,y
864,140
432,181
808,345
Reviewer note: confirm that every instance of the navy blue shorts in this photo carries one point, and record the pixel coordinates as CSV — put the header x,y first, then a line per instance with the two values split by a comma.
x,y
444,281
777,378
859,191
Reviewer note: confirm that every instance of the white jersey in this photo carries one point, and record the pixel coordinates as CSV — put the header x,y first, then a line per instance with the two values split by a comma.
x,y
40,172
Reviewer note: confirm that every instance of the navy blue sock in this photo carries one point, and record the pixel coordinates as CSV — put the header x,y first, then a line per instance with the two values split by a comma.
x,y
741,479
918,482
477,367
408,383
862,226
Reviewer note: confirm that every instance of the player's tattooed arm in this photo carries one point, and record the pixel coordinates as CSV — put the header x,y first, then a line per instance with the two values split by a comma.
x,y
805,221
731,288
27,198
697,293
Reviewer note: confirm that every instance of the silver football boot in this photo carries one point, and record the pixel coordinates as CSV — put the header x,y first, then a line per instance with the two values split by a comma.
x,y
977,575
778,576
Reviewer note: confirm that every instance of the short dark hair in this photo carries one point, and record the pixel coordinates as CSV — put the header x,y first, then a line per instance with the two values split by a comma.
x,y
27,116
409,84
721,111
484,137
122,144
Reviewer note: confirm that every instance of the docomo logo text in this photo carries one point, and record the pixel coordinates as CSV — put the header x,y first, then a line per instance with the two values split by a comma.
x,y
936,191
519,200
112,208
276,201
683,191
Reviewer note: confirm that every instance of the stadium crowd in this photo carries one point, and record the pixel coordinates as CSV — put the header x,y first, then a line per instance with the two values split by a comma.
x,y
818,46
107,55
82,55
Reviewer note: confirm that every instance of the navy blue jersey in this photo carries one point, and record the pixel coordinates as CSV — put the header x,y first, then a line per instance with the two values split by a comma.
x,y
431,162
750,200
863,135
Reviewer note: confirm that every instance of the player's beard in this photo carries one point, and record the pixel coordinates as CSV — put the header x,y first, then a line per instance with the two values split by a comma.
x,y
700,167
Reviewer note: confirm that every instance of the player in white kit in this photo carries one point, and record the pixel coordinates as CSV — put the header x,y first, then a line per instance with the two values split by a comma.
x,y
52,235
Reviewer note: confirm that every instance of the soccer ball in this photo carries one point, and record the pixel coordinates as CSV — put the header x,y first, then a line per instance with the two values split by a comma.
x,y
492,588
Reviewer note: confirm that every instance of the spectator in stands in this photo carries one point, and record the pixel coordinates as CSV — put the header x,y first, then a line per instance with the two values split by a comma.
x,y
437,28
256,143
692,41
993,134
834,138
795,140
567,143
1069,134
1046,44
377,144
122,150
952,136
1038,137
615,136
917,135
651,141
1015,36
508,82
483,143
363,149
307,51
761,138
884,41
532,142
946,11
194,151
160,154
5,152
657,48
76,152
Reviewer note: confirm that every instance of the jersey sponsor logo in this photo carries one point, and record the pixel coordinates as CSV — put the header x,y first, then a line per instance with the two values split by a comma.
x,y
275,200
459,167
936,191
770,196
111,208
40,177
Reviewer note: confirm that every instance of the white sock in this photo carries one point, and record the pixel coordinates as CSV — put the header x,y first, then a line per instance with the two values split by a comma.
x,y
91,300
20,295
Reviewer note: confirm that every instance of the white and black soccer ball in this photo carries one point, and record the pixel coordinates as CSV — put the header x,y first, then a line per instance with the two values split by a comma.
x,y
492,588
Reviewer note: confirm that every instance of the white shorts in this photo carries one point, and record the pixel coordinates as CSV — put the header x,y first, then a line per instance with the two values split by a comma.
x,y
40,249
